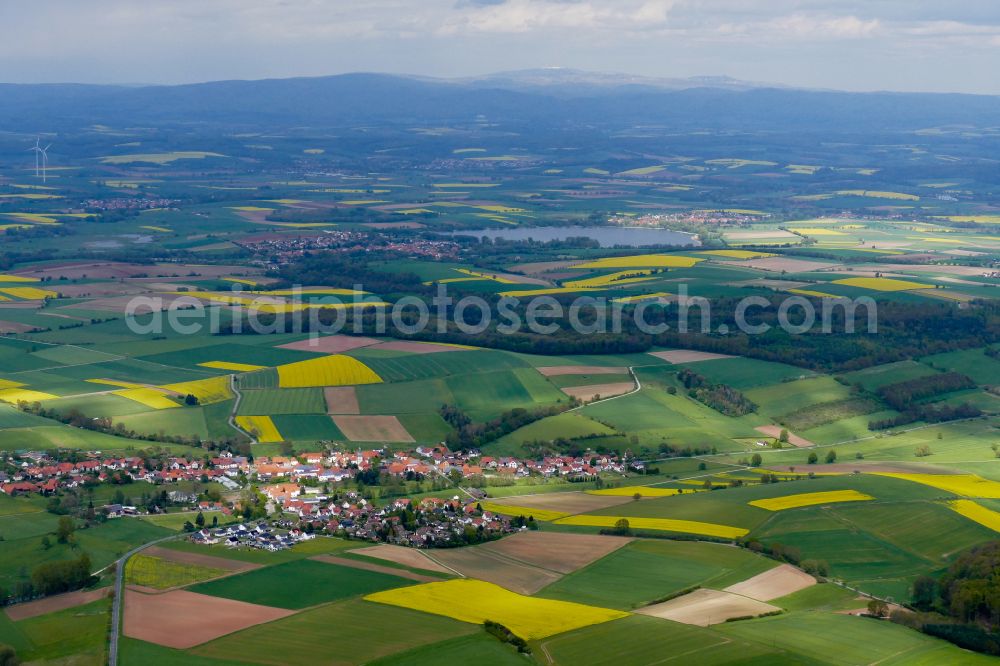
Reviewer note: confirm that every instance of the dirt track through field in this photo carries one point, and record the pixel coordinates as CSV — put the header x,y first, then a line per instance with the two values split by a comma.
x,y
58,602
687,356
706,607
418,347
775,431
777,582
556,551
330,344
199,559
341,400
182,619
481,563
370,566
409,557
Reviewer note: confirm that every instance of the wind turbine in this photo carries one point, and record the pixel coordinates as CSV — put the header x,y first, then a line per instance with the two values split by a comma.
x,y
37,150
45,160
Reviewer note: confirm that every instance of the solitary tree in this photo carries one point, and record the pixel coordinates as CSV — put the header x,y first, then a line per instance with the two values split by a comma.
x,y
200,519
878,608
813,458
831,456
65,529
756,460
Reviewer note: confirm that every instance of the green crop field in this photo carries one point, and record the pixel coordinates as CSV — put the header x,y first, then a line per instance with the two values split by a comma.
x,y
76,635
268,402
299,584
361,630
645,571
638,639
843,639
307,427
163,574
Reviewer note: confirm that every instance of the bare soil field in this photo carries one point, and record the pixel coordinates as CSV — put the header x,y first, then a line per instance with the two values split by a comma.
x,y
199,559
409,557
775,431
557,370
55,603
330,344
21,305
373,429
114,270
15,327
96,290
779,581
687,356
368,566
341,400
120,303
571,503
588,393
537,267
974,271
558,551
706,607
418,347
182,619
481,563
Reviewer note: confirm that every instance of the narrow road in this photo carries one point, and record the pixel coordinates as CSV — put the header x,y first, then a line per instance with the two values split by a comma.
x,y
236,408
116,604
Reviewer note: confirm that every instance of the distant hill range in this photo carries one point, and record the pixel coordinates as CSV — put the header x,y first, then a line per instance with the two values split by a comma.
x,y
541,97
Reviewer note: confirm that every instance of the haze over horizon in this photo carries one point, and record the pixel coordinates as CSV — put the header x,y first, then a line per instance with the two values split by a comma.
x,y
893,45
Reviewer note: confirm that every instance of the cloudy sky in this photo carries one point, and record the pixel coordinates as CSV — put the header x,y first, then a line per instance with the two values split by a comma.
x,y
930,45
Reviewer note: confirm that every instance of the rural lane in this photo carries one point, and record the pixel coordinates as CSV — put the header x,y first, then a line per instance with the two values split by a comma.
x,y
236,408
116,604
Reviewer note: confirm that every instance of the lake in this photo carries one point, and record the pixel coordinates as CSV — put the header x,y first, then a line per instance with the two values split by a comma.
x,y
606,236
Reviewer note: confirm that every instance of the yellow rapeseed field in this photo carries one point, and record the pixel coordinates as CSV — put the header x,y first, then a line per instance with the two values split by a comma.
x,y
810,292
665,524
875,194
28,293
235,367
8,384
476,601
610,280
538,514
965,485
978,513
115,382
810,499
208,391
882,284
643,261
149,397
16,395
267,432
336,370
642,297
629,491
16,278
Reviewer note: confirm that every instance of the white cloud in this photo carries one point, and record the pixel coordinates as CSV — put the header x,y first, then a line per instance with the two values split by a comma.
x,y
520,16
